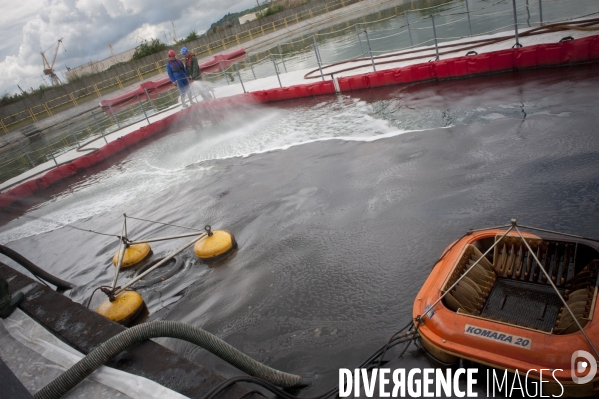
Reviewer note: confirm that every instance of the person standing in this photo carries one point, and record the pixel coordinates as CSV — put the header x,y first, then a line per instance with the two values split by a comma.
x,y
193,68
191,64
179,76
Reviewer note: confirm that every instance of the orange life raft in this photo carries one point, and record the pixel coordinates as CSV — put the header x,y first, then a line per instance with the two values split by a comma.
x,y
504,312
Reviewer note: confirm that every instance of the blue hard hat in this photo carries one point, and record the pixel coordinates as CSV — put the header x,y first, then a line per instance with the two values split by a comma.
x,y
184,50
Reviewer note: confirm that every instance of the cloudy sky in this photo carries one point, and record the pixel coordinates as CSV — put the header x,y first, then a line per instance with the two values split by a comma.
x,y
28,27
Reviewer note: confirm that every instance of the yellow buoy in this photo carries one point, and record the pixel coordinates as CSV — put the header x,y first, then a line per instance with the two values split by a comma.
x,y
219,243
133,255
123,309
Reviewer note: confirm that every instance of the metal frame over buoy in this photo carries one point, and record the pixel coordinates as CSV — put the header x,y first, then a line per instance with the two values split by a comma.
x,y
123,304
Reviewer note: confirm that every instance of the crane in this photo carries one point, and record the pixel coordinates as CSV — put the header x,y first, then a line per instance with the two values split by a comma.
x,y
49,67
174,33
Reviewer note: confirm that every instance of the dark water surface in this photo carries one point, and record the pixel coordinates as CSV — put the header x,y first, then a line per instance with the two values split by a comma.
x,y
340,206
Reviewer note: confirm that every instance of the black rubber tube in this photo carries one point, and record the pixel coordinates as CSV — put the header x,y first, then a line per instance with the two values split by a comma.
x,y
61,285
171,329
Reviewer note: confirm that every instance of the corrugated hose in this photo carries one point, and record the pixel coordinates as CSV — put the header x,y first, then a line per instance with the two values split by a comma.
x,y
170,329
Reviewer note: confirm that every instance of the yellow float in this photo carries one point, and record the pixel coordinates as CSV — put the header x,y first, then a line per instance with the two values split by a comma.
x,y
125,307
133,255
213,245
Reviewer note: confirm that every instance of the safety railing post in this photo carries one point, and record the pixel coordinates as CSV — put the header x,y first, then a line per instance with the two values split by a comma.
x,y
114,116
150,100
359,40
239,76
318,60
516,25
370,50
252,68
409,30
26,153
220,63
99,128
72,134
468,14
276,69
541,11
282,58
49,149
142,108
435,36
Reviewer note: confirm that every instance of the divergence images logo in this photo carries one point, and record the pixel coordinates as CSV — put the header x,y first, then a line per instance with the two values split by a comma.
x,y
583,366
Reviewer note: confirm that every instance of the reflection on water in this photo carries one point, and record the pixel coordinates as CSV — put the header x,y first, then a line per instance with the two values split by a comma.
x,y
340,205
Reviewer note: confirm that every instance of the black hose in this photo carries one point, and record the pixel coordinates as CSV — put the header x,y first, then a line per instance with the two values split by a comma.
x,y
171,329
61,285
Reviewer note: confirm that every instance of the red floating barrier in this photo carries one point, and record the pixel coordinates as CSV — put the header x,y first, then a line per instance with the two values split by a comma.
x,y
41,183
6,200
444,69
301,91
502,60
83,162
577,51
526,57
422,72
549,54
479,64
22,190
321,88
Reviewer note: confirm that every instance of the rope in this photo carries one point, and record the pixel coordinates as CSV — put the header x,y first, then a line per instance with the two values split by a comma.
x,y
166,224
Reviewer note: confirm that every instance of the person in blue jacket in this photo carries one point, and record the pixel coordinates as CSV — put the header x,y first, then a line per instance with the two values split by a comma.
x,y
179,76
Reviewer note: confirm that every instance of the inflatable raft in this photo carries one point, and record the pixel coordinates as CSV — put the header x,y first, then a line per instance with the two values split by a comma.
x,y
506,299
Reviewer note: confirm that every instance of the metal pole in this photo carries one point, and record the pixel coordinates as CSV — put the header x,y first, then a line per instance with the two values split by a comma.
x,y
282,58
166,238
114,116
252,68
239,76
516,24
72,134
541,11
276,69
49,149
360,40
26,153
318,59
122,249
142,108
162,262
370,50
468,13
149,99
99,128
435,35
409,31
220,63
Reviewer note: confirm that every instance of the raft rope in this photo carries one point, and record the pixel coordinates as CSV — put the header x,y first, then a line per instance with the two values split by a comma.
x,y
514,226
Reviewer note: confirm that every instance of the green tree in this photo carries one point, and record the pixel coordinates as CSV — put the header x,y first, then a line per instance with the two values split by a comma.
x,y
148,48
193,35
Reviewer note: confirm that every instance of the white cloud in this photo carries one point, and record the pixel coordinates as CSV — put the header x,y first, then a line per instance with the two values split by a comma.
x,y
87,26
